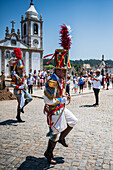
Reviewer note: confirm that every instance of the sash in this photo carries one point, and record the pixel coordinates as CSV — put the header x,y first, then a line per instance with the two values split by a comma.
x,y
49,113
22,80
61,90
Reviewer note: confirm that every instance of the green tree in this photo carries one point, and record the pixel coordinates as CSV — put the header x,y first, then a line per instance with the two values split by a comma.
x,y
48,67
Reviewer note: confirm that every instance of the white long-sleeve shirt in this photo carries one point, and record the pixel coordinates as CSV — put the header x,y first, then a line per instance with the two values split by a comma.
x,y
97,84
30,80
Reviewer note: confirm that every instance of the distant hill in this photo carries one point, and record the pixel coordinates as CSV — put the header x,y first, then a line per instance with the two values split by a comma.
x,y
92,62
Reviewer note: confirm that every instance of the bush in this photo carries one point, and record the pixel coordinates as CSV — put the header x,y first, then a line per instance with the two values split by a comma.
x,y
48,67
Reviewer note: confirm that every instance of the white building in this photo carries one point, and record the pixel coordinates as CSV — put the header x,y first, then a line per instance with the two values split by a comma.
x,y
30,43
105,68
86,67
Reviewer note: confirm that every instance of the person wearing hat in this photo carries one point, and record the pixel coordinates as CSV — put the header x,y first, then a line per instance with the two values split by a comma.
x,y
18,82
96,86
60,120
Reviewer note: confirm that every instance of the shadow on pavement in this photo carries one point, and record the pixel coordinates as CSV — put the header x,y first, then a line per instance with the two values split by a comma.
x,y
86,106
38,163
110,95
10,122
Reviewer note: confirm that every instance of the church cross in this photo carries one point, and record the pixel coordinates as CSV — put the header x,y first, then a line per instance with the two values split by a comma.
x,y
12,24
31,2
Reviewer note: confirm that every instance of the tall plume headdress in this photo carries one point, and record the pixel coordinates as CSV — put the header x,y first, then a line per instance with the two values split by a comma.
x,y
61,56
65,37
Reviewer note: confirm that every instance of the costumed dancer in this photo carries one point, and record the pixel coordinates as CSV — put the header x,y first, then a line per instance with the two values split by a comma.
x,y
59,118
18,82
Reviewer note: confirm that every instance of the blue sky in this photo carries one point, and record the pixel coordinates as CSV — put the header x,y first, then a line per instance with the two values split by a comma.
x,y
91,22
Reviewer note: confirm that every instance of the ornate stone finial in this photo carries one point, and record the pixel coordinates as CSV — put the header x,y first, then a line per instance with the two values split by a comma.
x,y
22,17
12,30
7,31
41,17
18,32
31,2
102,57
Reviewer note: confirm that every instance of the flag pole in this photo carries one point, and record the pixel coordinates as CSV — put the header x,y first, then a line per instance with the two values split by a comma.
x,y
67,66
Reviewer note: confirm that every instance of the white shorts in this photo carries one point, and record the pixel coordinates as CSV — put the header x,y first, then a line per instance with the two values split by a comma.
x,y
71,121
70,118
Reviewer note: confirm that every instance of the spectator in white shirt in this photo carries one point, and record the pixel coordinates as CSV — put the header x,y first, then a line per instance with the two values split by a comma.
x,y
30,81
96,86
89,82
44,75
49,76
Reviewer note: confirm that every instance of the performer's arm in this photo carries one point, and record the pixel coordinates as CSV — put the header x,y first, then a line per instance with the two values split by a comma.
x,y
49,95
13,81
98,79
13,84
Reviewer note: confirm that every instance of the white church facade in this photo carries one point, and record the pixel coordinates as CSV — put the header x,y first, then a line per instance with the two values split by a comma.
x,y
30,42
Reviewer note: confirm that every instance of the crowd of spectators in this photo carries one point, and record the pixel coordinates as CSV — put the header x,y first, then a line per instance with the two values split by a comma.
x,y
80,82
86,81
35,79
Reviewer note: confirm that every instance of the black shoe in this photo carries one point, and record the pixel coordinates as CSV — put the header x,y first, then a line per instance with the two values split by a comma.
x,y
63,135
95,105
49,157
18,115
19,119
49,152
63,142
22,110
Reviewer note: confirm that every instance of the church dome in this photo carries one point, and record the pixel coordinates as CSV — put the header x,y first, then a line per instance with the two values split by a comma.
x,y
31,12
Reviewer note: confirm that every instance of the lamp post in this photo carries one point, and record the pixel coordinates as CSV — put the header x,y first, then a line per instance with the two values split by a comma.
x,y
106,68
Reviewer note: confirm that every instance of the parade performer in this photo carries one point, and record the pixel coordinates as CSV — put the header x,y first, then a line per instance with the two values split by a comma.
x,y
59,118
18,82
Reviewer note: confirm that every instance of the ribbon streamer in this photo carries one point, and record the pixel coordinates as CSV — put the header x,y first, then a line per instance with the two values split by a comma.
x,y
47,55
51,58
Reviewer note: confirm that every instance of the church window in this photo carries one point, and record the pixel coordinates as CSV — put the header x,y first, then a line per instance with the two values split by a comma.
x,y
13,42
25,29
35,42
35,29
7,54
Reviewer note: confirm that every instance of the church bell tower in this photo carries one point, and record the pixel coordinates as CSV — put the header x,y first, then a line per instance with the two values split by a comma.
x,y
31,28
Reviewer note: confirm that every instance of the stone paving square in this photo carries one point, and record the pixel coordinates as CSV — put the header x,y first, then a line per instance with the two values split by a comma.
x,y
90,141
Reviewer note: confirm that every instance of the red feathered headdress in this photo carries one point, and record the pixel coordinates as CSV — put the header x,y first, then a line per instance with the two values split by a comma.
x,y
17,52
19,62
62,55
65,37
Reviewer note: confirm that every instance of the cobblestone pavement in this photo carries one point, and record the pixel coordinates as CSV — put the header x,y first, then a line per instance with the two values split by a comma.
x,y
90,142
